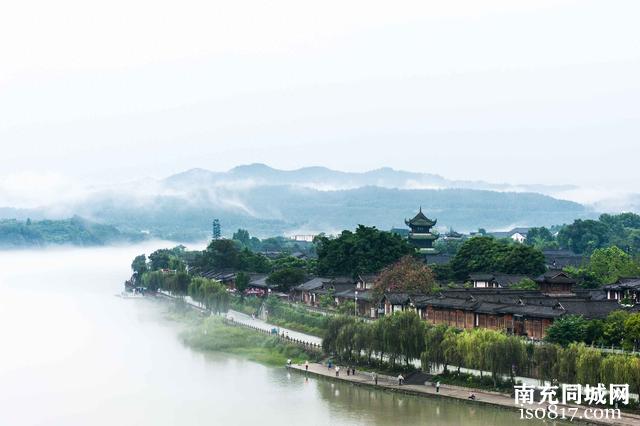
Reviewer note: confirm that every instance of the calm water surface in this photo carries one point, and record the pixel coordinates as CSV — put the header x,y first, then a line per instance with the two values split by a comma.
x,y
73,354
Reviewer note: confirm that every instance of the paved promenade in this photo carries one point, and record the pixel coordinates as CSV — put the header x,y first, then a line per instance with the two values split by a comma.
x,y
484,398
246,319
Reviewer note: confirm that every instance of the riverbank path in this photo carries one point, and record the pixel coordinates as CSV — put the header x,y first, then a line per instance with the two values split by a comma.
x,y
364,378
246,319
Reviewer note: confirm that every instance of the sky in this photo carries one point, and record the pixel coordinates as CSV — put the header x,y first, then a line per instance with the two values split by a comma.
x,y
543,91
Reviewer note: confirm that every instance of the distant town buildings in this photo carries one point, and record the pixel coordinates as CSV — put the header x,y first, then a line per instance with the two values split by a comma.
x,y
302,238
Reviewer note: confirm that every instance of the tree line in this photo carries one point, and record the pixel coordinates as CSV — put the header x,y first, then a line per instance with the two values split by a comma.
x,y
403,338
76,231
620,328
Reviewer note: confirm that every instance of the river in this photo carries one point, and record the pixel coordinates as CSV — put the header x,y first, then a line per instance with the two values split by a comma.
x,y
73,354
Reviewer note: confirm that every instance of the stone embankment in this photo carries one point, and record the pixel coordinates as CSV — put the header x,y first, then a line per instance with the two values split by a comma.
x,y
493,399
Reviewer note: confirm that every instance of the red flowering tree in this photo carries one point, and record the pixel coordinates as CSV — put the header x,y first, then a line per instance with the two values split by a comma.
x,y
407,274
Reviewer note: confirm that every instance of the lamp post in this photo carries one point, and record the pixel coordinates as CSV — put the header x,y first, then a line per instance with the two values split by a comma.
x,y
356,307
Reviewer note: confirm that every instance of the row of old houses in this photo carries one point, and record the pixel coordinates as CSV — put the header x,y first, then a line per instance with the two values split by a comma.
x,y
489,303
522,312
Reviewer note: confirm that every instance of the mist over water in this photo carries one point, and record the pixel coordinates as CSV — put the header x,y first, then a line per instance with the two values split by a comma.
x,y
73,354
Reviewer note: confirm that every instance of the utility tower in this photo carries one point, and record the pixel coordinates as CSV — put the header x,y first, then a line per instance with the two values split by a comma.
x,y
216,229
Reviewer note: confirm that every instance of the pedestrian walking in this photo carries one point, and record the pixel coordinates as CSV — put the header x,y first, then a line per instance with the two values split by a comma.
x,y
348,370
400,379
306,365
329,364
337,371
289,362
287,335
353,370
438,386
376,378
373,374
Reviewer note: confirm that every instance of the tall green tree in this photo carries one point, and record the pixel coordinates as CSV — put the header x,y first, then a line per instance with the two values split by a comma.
x,y
139,267
484,254
538,235
221,254
614,329
610,263
584,236
367,250
286,278
159,259
566,330
242,282
242,235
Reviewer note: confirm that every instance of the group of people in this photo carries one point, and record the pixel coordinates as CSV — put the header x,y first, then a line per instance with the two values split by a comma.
x,y
374,376
306,364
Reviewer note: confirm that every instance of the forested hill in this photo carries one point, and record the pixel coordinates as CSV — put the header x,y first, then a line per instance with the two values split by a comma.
x,y
75,231
276,210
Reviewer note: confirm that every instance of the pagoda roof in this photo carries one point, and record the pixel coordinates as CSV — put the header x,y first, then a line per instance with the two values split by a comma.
x,y
421,219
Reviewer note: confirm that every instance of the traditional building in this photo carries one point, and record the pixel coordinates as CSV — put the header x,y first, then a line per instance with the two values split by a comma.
x,y
622,288
522,312
481,280
452,235
303,293
335,286
421,233
556,282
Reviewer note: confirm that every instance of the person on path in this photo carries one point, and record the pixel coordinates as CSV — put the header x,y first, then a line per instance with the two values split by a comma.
x,y
400,379
337,371
353,370
438,386
472,395
306,365
348,370
373,374
289,361
329,364
287,335
376,378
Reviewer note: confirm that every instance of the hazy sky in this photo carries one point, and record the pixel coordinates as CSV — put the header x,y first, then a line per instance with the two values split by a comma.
x,y
504,91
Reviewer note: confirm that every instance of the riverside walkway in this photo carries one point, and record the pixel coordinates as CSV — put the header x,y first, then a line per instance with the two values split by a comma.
x,y
247,320
495,399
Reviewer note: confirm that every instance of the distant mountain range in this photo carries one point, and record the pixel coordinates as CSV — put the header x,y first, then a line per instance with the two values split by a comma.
x,y
325,179
270,202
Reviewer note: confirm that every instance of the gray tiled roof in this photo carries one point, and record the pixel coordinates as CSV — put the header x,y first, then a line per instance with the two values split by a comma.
x,y
351,294
397,298
310,285
480,276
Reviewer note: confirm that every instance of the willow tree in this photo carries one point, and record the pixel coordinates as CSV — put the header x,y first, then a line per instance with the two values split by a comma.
x,y
546,358
345,340
433,354
495,358
473,348
330,342
411,335
391,329
210,293
515,354
567,360
451,349
588,367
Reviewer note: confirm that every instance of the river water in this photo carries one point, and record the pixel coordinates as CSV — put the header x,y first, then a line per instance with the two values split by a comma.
x,y
73,354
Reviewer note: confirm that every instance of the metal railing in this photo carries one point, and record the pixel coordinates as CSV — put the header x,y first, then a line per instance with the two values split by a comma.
x,y
304,345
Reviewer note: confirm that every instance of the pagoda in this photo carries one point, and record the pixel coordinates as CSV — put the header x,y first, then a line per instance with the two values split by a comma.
x,y
421,233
